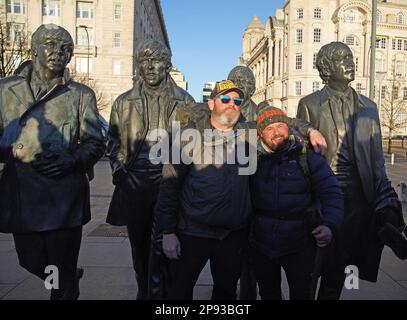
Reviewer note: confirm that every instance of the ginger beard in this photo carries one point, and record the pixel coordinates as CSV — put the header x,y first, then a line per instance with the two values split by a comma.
x,y
275,135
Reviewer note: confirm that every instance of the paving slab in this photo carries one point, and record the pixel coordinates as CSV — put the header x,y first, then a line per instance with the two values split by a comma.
x,y
6,246
10,270
32,288
393,266
5,289
105,254
385,289
106,283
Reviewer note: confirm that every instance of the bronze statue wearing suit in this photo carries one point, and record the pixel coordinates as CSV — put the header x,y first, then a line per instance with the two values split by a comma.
x,y
350,124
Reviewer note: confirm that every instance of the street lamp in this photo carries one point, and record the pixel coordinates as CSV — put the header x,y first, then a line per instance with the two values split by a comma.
x,y
380,76
373,50
87,36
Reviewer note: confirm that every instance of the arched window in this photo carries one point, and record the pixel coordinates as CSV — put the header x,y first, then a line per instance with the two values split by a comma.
x,y
351,40
379,16
350,16
400,18
380,64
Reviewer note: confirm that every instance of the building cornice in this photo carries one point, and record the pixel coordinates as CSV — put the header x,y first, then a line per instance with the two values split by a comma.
x,y
392,26
260,47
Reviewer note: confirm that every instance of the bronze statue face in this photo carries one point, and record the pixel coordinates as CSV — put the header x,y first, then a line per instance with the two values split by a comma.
x,y
342,67
335,64
52,48
53,54
243,78
153,70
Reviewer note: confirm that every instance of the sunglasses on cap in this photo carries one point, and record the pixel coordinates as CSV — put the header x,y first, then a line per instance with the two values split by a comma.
x,y
226,99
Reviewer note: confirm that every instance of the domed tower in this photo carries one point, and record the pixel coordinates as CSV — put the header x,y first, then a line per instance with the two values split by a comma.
x,y
252,35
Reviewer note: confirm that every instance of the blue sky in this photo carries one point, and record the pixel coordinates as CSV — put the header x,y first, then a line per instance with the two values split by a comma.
x,y
206,35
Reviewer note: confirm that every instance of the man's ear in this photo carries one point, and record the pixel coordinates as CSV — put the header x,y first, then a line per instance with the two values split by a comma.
x,y
211,104
70,57
169,67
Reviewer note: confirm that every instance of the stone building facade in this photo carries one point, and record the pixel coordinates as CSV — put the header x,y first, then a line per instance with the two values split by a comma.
x,y
114,29
282,52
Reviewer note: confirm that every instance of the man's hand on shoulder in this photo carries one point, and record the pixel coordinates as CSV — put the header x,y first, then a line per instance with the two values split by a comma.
x,y
317,140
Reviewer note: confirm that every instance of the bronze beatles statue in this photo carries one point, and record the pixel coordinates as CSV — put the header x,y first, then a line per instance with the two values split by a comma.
x,y
350,124
154,102
50,138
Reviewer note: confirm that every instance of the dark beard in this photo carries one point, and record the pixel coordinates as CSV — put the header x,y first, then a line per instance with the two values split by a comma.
x,y
283,146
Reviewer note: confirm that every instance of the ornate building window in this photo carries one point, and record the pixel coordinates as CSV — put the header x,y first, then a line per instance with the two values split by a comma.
x,y
84,10
300,13
82,37
116,40
298,88
350,40
381,43
50,8
350,16
15,32
400,68
117,11
16,6
359,88
298,37
317,13
317,35
298,61
379,16
400,18
315,86
380,64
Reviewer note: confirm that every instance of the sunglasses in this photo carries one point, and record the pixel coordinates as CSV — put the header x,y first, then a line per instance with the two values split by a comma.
x,y
226,99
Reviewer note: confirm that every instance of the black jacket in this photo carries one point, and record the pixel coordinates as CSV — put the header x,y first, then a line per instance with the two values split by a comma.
x,y
127,132
285,198
65,116
205,200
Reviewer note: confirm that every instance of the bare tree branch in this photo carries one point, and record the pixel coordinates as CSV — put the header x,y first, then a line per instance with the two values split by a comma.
x,y
14,48
393,106
101,100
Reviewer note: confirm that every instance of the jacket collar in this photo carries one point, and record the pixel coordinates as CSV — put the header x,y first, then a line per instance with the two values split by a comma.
x,y
26,68
22,89
324,97
174,90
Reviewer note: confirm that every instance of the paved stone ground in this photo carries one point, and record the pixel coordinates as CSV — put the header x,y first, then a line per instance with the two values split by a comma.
x,y
107,260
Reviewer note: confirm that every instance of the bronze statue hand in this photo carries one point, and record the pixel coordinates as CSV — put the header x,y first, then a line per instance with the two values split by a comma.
x,y
54,164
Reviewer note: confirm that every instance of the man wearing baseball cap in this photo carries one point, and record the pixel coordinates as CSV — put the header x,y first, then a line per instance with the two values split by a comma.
x,y
203,207
291,183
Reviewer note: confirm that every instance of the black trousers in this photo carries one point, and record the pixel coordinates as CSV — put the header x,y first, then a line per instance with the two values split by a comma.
x,y
60,248
248,284
225,258
345,249
297,266
150,265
